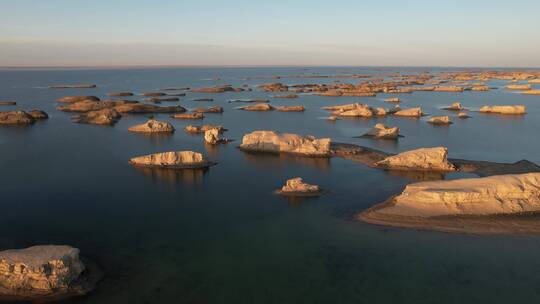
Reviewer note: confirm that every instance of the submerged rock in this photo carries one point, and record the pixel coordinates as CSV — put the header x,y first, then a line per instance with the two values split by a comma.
x,y
514,110
172,160
153,126
456,106
188,116
412,112
435,159
440,120
16,118
382,131
203,99
274,142
71,99
100,117
296,186
258,107
41,271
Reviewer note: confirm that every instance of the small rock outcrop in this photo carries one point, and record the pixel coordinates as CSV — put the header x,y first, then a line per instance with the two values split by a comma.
x,y
520,87
7,103
16,118
208,110
434,159
291,109
218,89
352,110
412,112
511,110
153,126
213,137
201,129
40,271
160,100
275,142
38,114
172,160
188,116
258,107
71,99
288,96
100,117
440,120
531,92
393,99
456,106
296,186
463,115
119,94
153,94
73,86
383,132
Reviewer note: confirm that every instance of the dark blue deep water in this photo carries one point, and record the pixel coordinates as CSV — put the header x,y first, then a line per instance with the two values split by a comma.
x,y
222,236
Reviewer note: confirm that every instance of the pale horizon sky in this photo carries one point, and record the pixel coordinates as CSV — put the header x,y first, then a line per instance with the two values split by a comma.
x,y
240,32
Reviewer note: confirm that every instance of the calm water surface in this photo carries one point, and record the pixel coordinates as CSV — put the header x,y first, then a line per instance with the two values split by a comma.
x,y
221,236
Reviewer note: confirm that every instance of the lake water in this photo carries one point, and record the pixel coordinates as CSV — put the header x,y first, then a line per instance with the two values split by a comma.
x,y
222,236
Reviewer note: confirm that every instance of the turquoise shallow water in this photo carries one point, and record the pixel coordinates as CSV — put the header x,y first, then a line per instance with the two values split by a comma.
x,y
222,236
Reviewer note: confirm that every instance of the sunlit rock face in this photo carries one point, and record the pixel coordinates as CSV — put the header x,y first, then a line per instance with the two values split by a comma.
x,y
153,126
420,159
512,110
271,141
297,185
499,194
412,112
382,131
173,159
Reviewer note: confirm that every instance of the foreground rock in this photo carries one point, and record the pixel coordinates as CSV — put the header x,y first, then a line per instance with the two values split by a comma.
x,y
297,187
42,272
153,126
16,118
434,159
71,99
383,132
275,142
495,204
172,160
258,107
510,110
440,120
202,129
463,115
105,116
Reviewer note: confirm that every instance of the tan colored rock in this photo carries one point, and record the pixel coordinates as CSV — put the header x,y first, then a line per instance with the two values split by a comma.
x,y
209,110
520,87
153,126
499,194
463,115
39,270
380,111
15,118
535,81
38,114
480,88
274,87
383,132
288,96
448,89
71,99
296,186
440,120
531,92
512,110
173,160
91,105
291,109
218,89
345,107
359,110
412,112
119,94
73,86
456,106
160,100
331,118
213,137
435,159
274,142
258,107
105,116
139,108
393,99
202,129
7,103
154,94
188,116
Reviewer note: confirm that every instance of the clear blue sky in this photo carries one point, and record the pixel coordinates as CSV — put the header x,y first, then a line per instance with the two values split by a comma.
x,y
238,32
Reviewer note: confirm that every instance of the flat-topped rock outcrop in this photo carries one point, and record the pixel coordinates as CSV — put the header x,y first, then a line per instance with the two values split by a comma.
x,y
258,107
440,120
153,126
161,99
510,109
73,86
91,105
217,89
38,114
494,204
201,129
412,112
383,132
119,94
8,103
297,187
139,108
291,109
456,106
16,118
41,272
434,159
172,160
188,116
393,99
275,142
519,87
531,92
71,99
208,110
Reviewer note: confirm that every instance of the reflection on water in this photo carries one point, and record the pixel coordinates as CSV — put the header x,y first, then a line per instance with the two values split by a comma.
x,y
174,176
295,201
157,138
283,160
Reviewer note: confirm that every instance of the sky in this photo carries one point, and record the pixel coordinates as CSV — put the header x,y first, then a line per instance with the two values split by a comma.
x,y
240,32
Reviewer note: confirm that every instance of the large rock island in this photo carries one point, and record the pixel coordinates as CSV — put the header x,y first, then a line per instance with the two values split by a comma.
x,y
275,142
495,204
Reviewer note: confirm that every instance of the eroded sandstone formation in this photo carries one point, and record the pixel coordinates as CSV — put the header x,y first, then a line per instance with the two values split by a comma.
x,y
456,106
275,142
412,112
16,118
258,107
70,99
188,116
440,120
105,116
291,109
208,110
296,186
435,159
383,132
511,110
172,160
201,129
153,126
